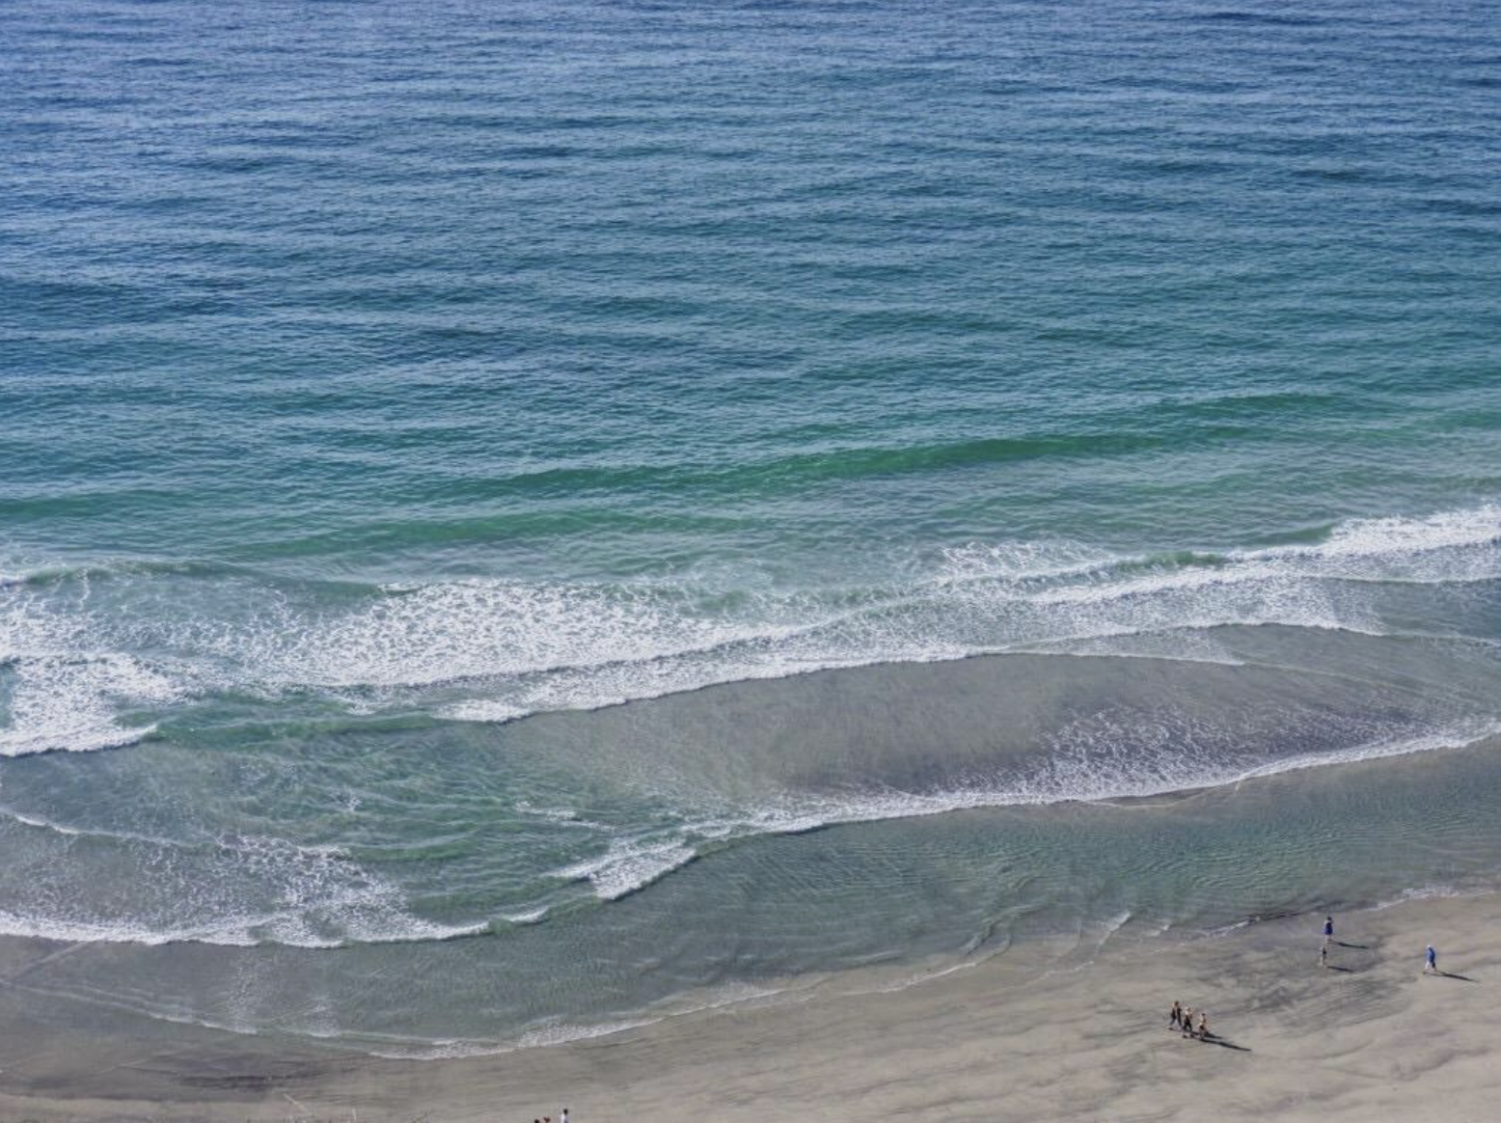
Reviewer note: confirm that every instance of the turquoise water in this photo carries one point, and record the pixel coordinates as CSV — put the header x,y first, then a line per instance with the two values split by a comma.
x,y
940,423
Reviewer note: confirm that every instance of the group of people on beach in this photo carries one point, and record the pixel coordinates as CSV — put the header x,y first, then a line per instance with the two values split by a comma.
x,y
1181,1018
548,1118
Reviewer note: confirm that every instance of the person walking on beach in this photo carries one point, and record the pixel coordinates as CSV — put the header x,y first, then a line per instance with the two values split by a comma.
x,y
1188,1022
1430,961
1328,930
1175,1016
1203,1026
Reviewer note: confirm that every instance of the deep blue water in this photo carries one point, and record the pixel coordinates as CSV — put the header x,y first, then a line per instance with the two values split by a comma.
x,y
385,389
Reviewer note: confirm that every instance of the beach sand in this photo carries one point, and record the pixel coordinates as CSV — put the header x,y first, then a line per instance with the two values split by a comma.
x,y
1039,1032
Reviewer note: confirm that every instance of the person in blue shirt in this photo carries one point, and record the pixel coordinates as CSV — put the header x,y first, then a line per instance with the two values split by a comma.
x,y
1430,961
1328,930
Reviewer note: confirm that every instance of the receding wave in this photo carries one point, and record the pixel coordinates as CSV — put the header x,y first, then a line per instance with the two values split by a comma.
x,y
251,890
1073,774
234,891
327,901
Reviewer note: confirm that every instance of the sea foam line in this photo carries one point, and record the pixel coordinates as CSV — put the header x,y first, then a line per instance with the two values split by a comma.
x,y
369,911
489,650
629,866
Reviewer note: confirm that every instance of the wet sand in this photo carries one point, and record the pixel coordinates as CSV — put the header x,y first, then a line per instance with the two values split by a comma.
x,y
1035,1033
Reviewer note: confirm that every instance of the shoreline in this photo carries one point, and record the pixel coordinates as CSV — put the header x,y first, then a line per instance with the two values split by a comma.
x,y
1026,1034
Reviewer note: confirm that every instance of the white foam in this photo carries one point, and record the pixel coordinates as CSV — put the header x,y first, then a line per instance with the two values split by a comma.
x,y
471,629
326,900
1457,737
1073,773
540,1037
1020,561
989,599
71,702
562,1033
629,865
489,711
1066,778
44,824
499,650
1435,891
443,1049
530,916
1394,535
243,892
81,677
1111,925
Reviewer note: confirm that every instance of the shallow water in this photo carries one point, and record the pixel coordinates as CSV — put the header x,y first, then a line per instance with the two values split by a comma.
x,y
928,420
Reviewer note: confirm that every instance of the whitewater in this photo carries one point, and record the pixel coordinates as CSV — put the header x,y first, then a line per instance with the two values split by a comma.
x,y
85,647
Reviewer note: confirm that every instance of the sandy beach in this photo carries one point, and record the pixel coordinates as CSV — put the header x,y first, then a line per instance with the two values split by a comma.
x,y
1039,1032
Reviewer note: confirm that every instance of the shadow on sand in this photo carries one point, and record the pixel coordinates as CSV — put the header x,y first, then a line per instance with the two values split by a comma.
x,y
1215,1039
1223,1043
1452,975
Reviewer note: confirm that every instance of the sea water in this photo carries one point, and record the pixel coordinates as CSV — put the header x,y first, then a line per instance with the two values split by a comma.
x,y
519,517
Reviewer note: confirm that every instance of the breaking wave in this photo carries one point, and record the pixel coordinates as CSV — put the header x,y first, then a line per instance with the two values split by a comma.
x,y
94,658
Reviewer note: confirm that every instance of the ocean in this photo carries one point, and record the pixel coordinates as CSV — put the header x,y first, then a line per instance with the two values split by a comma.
x,y
520,519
